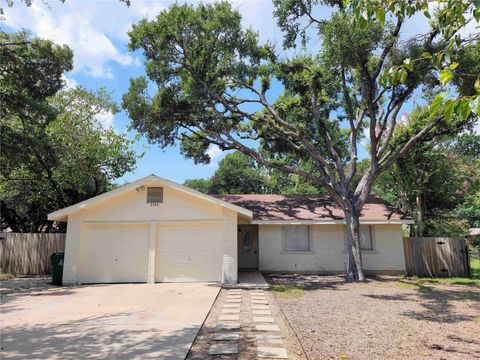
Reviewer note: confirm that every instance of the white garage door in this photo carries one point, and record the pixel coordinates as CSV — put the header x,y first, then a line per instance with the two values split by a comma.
x,y
189,252
115,253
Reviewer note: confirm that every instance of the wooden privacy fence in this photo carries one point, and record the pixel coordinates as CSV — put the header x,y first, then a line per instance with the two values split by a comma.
x,y
436,257
29,254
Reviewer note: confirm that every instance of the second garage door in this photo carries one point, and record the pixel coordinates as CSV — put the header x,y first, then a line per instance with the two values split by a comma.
x,y
190,252
115,253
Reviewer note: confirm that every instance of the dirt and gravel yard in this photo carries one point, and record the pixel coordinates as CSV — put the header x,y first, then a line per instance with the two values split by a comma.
x,y
385,318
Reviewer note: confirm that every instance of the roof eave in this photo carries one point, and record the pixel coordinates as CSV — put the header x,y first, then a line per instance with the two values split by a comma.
x,y
58,218
330,222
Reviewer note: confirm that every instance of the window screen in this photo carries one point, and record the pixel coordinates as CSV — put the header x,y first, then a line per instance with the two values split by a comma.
x,y
366,237
296,238
154,195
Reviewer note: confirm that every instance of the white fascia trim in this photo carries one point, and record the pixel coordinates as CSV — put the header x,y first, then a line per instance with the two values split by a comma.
x,y
61,215
328,222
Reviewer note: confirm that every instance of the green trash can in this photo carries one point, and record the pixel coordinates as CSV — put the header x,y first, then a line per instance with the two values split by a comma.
x,y
57,268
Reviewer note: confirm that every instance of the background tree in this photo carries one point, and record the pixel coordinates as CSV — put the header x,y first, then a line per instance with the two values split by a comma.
x,y
54,151
31,70
430,184
202,185
239,174
212,82
438,183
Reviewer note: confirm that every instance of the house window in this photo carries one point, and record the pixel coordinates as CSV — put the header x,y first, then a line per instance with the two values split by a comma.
x,y
296,238
366,242
154,195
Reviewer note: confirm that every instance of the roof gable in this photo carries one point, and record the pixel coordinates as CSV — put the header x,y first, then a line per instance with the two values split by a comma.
x,y
62,215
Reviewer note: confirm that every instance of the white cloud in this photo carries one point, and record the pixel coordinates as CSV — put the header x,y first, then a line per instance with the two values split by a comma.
x,y
214,151
72,24
404,118
215,154
419,24
69,82
106,119
147,9
476,128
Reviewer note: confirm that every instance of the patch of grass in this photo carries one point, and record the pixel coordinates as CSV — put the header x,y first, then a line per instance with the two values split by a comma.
x,y
406,285
416,282
410,283
438,294
452,280
6,276
286,292
475,267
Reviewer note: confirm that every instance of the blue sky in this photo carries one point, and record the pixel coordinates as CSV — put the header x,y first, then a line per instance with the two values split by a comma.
x,y
97,33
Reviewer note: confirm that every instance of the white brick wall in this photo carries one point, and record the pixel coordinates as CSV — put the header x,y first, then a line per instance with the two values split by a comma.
x,y
327,247
328,252
230,266
389,246
72,252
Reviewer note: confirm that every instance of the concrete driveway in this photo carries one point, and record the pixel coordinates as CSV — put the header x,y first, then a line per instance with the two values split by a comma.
x,y
118,321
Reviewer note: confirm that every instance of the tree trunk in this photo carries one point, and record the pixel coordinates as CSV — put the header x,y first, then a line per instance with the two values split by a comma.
x,y
354,269
8,216
419,216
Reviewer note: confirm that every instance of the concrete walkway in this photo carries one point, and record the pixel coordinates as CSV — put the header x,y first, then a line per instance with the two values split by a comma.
x,y
248,280
241,325
227,334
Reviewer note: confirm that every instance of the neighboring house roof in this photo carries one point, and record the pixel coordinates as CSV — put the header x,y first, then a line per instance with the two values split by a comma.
x,y
474,231
311,208
62,215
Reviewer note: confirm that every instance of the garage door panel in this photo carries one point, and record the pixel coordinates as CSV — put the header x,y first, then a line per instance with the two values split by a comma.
x,y
115,253
189,253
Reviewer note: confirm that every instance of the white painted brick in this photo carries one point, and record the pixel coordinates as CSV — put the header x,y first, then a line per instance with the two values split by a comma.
x,y
72,252
151,251
230,272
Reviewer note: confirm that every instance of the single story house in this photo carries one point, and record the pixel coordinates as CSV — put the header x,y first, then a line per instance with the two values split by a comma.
x,y
154,230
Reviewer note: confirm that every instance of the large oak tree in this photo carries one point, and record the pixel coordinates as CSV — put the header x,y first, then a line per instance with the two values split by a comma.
x,y
209,81
54,151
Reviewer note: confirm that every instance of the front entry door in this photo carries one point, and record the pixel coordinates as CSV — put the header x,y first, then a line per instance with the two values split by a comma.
x,y
248,246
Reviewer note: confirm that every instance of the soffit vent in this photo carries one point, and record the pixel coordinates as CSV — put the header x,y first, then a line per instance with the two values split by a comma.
x,y
154,196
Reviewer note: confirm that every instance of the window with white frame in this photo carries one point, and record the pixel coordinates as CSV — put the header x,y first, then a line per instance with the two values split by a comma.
x,y
366,241
296,237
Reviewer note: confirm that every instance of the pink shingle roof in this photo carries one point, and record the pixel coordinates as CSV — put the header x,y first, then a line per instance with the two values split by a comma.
x,y
309,208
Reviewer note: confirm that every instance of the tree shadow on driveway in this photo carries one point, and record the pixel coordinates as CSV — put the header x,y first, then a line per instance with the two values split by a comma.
x,y
21,287
109,336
